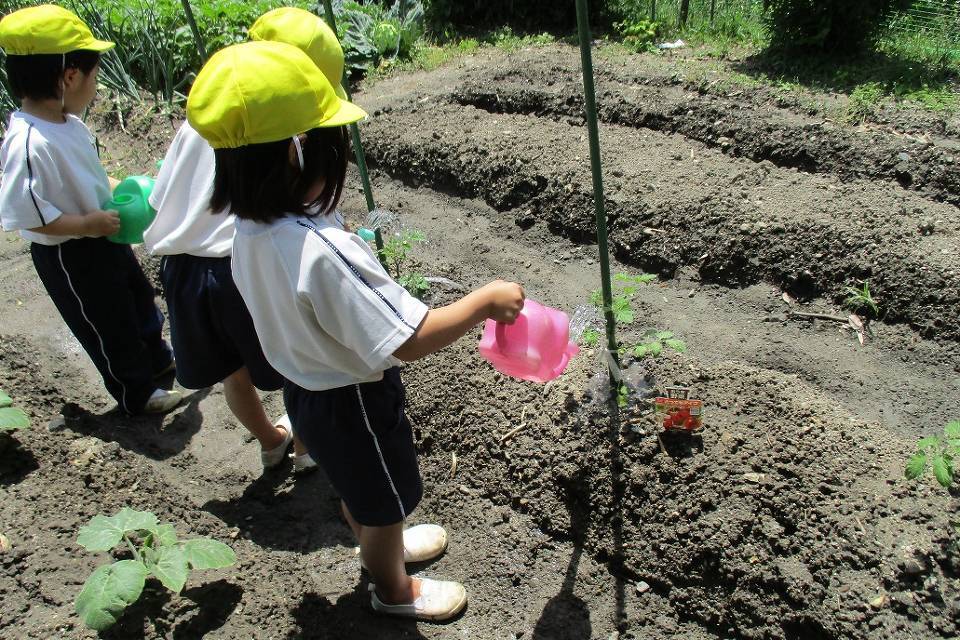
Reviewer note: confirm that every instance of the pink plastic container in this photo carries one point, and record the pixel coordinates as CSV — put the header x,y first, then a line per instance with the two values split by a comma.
x,y
536,347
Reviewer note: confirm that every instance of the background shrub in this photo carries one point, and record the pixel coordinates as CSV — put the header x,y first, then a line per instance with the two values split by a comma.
x,y
827,26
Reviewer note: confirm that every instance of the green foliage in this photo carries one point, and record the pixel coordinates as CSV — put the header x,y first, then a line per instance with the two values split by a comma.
x,y
156,552
859,300
654,342
864,100
590,337
831,26
640,35
11,418
446,17
625,287
373,34
396,253
936,454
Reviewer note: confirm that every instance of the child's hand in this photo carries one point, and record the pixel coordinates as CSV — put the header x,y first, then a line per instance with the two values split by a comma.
x,y
101,223
505,300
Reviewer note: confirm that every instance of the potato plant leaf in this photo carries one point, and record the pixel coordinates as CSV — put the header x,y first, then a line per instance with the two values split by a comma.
x,y
12,418
204,553
108,591
677,345
654,348
171,568
916,466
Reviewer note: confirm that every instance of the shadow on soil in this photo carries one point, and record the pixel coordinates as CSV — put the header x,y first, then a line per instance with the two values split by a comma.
x,y
277,512
196,612
16,461
145,435
319,619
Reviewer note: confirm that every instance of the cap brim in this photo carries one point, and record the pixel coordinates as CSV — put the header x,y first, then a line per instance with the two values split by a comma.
x,y
348,113
341,92
100,46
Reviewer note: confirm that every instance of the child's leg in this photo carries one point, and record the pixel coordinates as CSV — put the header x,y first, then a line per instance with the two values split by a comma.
x,y
244,402
148,315
380,550
87,282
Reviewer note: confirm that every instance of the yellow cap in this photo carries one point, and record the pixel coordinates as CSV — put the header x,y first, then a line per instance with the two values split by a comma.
x,y
46,29
259,92
307,32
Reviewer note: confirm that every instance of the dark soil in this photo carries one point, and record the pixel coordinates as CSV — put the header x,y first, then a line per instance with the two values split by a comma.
x,y
788,518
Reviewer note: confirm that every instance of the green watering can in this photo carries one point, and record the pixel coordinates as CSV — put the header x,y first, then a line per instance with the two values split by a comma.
x,y
136,214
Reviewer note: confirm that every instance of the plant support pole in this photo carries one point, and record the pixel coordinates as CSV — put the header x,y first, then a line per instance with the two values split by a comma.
x,y
357,146
202,50
590,102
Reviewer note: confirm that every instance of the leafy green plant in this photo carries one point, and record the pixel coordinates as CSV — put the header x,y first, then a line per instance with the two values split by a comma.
x,y
590,337
937,454
396,253
372,33
625,287
863,102
156,552
860,299
654,341
11,418
639,35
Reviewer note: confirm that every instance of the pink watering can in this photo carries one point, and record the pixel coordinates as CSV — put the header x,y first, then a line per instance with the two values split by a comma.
x,y
536,347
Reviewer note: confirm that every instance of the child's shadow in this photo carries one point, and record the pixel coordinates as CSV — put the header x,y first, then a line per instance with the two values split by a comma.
x,y
286,512
146,435
351,617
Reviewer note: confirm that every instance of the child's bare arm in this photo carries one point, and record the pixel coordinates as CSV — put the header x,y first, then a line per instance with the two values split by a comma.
x,y
94,225
499,300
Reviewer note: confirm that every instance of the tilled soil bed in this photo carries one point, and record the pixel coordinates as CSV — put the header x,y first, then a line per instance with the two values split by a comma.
x,y
787,518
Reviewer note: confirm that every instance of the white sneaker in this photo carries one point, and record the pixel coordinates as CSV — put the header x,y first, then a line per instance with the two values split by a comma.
x,y
303,463
275,456
420,543
439,600
161,401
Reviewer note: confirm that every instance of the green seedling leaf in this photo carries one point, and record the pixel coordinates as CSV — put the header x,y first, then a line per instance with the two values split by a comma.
x,y
663,335
204,553
5,400
165,535
622,311
12,418
952,430
108,591
590,337
645,277
654,348
640,350
942,471
103,533
171,568
916,466
926,443
677,345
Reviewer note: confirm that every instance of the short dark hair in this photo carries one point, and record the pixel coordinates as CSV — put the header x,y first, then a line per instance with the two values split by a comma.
x,y
257,182
37,76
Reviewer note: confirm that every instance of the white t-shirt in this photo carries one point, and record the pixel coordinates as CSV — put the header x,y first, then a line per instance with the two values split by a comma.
x,y
49,169
326,312
181,196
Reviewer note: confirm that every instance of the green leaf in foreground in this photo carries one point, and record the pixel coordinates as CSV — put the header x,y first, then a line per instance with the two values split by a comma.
x,y
677,345
12,418
952,430
103,533
108,591
942,471
171,568
916,466
203,553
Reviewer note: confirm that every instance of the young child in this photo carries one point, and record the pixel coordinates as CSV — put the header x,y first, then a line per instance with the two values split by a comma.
x,y
52,191
210,326
329,317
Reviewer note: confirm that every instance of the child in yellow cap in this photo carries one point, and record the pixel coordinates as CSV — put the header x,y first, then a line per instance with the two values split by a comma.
x,y
52,192
330,318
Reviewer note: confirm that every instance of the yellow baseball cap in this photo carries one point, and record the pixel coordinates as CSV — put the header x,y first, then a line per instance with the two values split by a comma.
x,y
258,92
307,32
47,29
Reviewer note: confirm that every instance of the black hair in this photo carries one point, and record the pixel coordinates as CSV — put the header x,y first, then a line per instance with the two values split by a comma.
x,y
37,76
257,181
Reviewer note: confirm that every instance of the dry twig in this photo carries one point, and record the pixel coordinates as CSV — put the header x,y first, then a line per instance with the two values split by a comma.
x,y
517,429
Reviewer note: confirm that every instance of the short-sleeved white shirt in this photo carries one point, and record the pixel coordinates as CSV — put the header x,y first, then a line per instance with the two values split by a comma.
x,y
49,169
326,312
181,196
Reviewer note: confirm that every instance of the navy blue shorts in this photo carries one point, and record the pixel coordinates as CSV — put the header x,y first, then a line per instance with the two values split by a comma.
x,y
210,328
362,439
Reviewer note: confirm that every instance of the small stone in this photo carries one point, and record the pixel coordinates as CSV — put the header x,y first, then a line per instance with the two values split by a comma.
x,y
58,423
903,156
4,543
642,587
745,228
880,601
691,293
755,478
